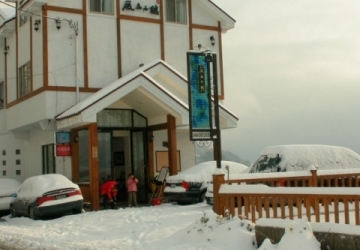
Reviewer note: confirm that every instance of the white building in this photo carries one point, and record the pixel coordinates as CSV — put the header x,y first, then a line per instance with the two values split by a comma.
x,y
110,72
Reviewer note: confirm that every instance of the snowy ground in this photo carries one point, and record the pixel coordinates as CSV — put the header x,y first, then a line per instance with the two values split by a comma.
x,y
167,226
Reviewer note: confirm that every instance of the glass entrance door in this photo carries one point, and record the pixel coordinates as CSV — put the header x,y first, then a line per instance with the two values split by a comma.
x,y
104,148
138,163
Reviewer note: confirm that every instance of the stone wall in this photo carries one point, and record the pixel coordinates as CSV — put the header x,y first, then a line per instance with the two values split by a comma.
x,y
328,240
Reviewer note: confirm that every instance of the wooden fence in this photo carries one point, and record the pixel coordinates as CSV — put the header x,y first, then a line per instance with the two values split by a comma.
x,y
308,193
260,201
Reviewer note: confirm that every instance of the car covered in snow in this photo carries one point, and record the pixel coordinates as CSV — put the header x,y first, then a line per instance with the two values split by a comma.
x,y
8,189
209,196
190,185
47,195
286,158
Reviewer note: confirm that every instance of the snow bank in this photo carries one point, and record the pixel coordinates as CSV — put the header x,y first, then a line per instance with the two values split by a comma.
x,y
216,232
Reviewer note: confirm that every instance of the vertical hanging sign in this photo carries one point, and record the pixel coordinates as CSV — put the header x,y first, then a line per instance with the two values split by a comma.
x,y
199,92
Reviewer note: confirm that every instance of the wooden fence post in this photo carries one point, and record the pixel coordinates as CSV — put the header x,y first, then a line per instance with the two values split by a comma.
x,y
314,182
218,179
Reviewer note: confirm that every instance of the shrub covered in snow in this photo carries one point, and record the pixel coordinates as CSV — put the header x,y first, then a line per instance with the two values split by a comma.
x,y
298,236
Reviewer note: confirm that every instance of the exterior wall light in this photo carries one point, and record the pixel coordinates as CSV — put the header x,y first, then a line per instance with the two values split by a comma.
x,y
212,39
6,49
73,25
58,23
37,22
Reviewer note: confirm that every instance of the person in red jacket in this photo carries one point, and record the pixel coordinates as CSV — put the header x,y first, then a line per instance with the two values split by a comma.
x,y
109,193
132,189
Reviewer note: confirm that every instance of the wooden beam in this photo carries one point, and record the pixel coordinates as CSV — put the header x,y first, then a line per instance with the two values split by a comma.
x,y
151,154
94,167
75,159
157,127
172,150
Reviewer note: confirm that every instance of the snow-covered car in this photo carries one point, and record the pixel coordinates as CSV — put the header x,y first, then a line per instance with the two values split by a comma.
x,y
286,158
190,185
47,195
8,189
209,196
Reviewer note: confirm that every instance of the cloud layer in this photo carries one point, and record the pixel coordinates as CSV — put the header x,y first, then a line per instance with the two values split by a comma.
x,y
292,74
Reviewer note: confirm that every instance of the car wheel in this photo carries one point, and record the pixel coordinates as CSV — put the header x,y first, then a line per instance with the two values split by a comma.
x,y
32,214
13,212
77,211
202,197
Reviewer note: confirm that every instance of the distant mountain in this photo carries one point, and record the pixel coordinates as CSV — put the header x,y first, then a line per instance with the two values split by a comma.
x,y
206,154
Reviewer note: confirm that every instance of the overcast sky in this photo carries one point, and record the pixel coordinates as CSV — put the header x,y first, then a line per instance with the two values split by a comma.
x,y
292,73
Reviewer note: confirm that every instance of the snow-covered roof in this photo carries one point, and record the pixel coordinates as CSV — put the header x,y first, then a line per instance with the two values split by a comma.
x,y
303,157
143,81
203,172
227,22
6,12
7,20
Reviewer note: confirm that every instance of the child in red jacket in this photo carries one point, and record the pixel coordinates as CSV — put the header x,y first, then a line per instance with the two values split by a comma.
x,y
109,193
132,189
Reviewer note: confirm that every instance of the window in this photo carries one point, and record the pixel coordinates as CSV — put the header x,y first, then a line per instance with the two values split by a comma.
x,y
18,172
176,11
23,19
4,172
2,95
102,6
24,79
48,159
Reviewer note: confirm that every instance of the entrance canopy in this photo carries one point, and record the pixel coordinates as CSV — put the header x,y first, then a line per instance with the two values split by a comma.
x,y
154,90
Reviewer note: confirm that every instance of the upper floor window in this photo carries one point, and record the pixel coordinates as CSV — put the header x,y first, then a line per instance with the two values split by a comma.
x,y
176,11
24,83
102,6
23,19
2,95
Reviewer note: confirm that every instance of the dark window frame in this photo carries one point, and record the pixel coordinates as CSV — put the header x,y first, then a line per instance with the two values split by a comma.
x,y
97,6
176,11
2,94
48,159
24,83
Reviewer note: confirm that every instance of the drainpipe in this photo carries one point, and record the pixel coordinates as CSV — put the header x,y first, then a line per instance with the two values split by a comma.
x,y
77,70
75,27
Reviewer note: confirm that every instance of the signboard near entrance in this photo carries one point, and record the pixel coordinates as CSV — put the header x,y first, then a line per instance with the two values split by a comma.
x,y
199,91
63,150
62,137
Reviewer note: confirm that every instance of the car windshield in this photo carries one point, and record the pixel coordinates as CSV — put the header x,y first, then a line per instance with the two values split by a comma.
x,y
267,163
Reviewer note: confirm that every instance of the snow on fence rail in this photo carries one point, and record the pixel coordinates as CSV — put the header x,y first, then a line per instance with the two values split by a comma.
x,y
345,178
260,201
312,178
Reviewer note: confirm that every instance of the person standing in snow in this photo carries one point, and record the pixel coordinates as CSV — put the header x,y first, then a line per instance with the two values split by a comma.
x,y
109,193
132,189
